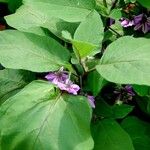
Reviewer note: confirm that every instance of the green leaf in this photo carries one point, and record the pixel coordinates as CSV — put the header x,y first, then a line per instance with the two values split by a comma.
x,y
89,35
19,50
95,82
13,80
14,4
115,14
142,90
145,3
83,49
139,132
127,61
37,30
115,111
144,103
108,135
40,118
4,1
51,14
74,13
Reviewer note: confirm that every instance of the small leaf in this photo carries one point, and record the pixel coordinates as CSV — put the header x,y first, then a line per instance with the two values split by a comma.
x,y
20,50
40,118
108,135
127,61
115,14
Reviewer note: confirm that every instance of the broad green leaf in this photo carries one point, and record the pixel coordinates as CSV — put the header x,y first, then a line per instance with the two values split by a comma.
x,y
108,135
20,50
24,20
39,118
71,12
90,4
89,35
95,82
51,14
13,80
115,111
145,3
127,61
139,132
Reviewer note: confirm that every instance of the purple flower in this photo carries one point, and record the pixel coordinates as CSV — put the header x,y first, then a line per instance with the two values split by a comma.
x,y
91,101
56,77
69,87
142,22
62,80
126,22
129,90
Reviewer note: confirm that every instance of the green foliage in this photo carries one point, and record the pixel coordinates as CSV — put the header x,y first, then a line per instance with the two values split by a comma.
x,y
145,3
89,60
14,4
40,118
144,104
139,132
95,82
127,61
88,36
13,80
110,136
50,14
4,1
20,50
142,90
115,111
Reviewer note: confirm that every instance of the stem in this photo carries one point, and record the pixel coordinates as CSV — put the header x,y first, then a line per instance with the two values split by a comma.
x,y
79,59
115,31
80,82
91,69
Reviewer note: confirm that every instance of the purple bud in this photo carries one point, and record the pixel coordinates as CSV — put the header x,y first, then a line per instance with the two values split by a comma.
x,y
91,101
129,90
